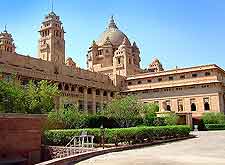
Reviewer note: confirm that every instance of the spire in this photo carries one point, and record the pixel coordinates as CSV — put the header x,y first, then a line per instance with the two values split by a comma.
x,y
112,23
52,5
5,29
134,44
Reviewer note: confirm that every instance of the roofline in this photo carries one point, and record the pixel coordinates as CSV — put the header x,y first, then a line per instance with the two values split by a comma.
x,y
173,70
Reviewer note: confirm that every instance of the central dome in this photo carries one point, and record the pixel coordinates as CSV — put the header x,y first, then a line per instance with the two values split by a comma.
x,y
115,36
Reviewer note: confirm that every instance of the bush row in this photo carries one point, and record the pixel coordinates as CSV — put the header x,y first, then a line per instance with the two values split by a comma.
x,y
215,126
118,135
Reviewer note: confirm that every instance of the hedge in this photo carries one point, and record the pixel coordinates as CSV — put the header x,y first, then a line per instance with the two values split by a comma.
x,y
118,135
215,126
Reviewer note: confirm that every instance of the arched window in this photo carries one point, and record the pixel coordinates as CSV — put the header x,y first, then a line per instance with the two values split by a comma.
x,y
72,88
193,107
81,89
168,108
66,87
89,91
139,82
60,86
97,92
206,106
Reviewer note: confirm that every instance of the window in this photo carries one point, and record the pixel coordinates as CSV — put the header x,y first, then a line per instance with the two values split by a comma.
x,y
149,81
60,86
159,79
180,105
72,88
207,73
81,89
97,92
118,60
111,94
129,83
100,52
193,107
170,78
194,75
89,91
104,93
66,87
107,51
139,82
206,104
129,61
168,108
81,105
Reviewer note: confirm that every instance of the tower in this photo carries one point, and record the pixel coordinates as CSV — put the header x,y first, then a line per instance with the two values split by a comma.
x,y
6,42
51,44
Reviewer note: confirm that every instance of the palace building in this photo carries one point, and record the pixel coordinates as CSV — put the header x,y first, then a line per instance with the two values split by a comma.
x,y
114,68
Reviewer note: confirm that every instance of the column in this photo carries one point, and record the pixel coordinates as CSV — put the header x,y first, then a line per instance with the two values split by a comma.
x,y
101,99
76,95
93,101
85,100
108,96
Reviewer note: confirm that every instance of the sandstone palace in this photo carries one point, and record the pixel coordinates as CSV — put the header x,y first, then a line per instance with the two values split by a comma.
x,y
113,68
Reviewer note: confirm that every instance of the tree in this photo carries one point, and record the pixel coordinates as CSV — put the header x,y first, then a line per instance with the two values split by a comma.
x,y
149,113
32,98
125,111
12,97
40,97
68,118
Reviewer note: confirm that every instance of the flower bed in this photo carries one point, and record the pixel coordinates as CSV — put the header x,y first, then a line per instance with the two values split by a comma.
x,y
131,135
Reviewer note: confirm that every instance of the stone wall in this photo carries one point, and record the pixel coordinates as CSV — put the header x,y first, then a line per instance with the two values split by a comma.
x,y
20,137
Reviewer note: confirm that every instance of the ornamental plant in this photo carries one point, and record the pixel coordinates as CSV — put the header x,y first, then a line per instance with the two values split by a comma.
x,y
124,110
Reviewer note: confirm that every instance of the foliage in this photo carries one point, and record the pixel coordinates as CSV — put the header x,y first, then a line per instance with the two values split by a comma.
x,y
39,97
67,118
124,110
213,118
12,97
171,119
33,98
149,113
118,135
215,126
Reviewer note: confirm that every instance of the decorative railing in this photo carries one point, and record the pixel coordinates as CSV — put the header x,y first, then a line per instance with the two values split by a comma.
x,y
78,144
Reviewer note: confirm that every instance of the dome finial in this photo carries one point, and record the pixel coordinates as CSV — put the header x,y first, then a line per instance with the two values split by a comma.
x,y
5,29
112,23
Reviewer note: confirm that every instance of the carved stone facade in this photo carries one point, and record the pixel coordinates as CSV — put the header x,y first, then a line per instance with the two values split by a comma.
x,y
114,67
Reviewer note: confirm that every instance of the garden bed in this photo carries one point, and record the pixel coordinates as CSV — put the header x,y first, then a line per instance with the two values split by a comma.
x,y
133,135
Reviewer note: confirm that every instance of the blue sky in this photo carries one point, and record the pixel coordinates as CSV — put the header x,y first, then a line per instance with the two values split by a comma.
x,y
180,33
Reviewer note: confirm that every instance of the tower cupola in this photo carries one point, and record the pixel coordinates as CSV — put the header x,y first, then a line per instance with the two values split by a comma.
x,y
6,42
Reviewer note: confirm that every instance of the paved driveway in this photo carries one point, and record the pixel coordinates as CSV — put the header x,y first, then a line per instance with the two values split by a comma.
x,y
208,149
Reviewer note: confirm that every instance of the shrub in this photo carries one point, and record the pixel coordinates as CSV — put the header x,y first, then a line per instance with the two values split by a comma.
x,y
215,126
213,118
68,118
149,113
124,111
171,119
118,135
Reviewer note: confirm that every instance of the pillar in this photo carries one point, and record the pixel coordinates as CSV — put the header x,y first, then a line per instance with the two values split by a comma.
x,y
93,101
85,100
108,96
101,99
